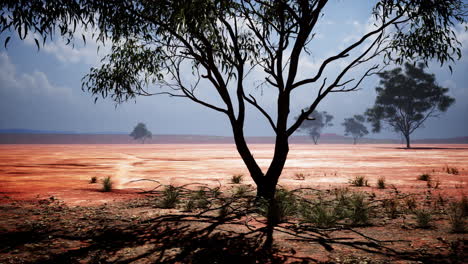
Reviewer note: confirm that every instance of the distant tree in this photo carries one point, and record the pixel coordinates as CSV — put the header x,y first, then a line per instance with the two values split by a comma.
x,y
355,127
140,132
406,99
316,122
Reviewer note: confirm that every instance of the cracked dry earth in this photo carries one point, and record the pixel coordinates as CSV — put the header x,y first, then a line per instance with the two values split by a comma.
x,y
51,213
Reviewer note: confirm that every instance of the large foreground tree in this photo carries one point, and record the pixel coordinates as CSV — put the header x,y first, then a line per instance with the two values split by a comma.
x,y
222,41
316,122
406,99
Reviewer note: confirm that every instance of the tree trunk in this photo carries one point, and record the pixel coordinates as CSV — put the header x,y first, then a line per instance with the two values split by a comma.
x,y
407,137
315,139
354,141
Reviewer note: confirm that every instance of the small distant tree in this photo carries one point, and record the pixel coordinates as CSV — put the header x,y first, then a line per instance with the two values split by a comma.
x,y
140,132
355,127
316,122
406,99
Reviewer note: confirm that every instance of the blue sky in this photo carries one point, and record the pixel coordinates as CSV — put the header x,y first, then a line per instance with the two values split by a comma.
x,y
41,90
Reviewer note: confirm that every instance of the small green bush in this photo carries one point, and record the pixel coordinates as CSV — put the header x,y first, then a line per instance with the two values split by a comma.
x,y
283,206
457,217
381,183
424,177
237,178
359,181
423,218
321,214
107,184
359,210
93,179
241,190
170,197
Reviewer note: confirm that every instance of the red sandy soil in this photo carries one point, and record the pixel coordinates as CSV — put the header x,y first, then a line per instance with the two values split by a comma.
x,y
64,171
123,226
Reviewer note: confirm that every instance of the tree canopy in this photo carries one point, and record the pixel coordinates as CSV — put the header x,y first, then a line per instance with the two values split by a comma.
x,y
140,132
405,100
316,122
221,41
355,127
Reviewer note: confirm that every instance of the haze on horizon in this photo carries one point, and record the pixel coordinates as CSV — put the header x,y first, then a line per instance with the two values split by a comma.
x,y
41,90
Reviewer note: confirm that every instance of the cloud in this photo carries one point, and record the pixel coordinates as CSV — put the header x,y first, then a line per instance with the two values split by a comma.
x,y
27,84
79,53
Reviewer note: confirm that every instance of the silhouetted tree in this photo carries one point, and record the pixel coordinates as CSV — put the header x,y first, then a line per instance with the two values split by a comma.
x,y
316,122
406,99
220,41
140,132
355,127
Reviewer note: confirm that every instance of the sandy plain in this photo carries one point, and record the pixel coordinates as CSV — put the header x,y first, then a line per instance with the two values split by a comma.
x,y
64,171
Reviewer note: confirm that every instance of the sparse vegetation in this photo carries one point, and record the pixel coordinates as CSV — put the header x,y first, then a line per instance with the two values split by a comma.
x,y
452,170
359,181
283,206
381,183
170,197
237,178
391,207
457,216
424,177
107,184
423,218
241,190
299,176
93,179
359,210
321,214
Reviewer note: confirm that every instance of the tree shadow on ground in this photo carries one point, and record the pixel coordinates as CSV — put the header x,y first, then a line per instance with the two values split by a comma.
x,y
194,238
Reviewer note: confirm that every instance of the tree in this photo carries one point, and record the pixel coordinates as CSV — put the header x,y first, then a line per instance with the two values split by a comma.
x,y
315,123
406,99
221,41
140,132
355,127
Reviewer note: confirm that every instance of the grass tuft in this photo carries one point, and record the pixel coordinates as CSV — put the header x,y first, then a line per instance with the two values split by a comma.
x,y
359,181
452,170
457,217
381,183
170,197
299,176
93,179
237,178
280,208
423,218
107,184
359,210
424,177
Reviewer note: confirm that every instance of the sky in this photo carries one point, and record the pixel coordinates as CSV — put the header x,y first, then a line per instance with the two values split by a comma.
x,y
41,90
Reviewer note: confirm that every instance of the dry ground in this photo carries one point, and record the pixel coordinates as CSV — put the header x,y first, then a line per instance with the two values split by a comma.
x,y
52,214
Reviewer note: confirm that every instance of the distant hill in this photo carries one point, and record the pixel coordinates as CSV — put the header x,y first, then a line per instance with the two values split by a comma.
x,y
24,136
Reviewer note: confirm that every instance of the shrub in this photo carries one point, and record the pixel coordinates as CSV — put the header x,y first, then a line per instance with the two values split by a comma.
x,y
457,217
424,177
381,183
410,203
280,208
359,181
93,179
107,184
324,216
241,190
299,176
170,197
237,178
423,218
359,210
452,170
391,207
